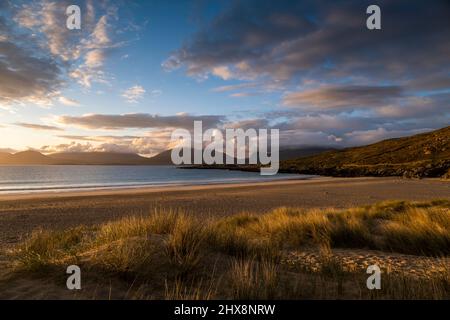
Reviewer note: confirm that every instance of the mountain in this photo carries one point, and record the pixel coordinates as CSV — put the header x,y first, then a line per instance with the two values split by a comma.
x,y
4,156
97,158
24,158
297,152
422,155
162,158
83,158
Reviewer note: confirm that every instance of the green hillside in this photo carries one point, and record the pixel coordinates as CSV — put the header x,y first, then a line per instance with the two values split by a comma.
x,y
422,155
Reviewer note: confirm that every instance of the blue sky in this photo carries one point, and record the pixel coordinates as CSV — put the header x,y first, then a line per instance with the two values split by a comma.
x,y
139,69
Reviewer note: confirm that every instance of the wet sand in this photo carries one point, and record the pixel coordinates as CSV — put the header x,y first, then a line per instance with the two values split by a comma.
x,y
22,213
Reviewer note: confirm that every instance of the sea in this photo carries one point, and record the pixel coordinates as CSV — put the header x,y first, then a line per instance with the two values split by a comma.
x,y
29,179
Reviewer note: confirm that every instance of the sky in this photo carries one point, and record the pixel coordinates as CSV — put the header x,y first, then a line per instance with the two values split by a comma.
x,y
137,70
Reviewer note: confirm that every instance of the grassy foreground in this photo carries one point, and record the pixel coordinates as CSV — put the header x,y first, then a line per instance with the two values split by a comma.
x,y
171,255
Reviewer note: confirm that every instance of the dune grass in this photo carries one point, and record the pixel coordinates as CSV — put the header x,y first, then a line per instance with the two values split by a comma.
x,y
176,251
251,279
184,243
416,228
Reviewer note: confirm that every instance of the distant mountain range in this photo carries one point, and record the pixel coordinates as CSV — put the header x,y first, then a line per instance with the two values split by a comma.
x,y
422,155
111,158
80,158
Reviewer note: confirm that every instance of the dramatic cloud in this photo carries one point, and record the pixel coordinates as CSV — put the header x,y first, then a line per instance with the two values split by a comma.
x,y
139,120
303,38
24,75
150,144
309,68
39,55
343,97
332,124
38,126
133,94
347,84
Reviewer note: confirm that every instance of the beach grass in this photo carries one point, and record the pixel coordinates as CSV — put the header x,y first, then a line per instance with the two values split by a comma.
x,y
179,256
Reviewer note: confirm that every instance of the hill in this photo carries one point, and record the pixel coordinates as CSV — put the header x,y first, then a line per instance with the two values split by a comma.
x,y
162,158
297,152
422,155
97,158
82,158
4,156
25,158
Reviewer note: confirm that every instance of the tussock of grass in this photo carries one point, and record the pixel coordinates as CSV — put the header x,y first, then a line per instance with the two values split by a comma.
x,y
45,248
127,228
132,257
183,246
251,279
234,236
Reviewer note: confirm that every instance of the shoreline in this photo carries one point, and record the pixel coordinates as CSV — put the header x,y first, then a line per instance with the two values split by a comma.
x,y
145,186
96,191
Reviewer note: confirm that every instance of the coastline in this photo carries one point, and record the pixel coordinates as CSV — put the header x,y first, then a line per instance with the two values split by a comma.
x,y
149,188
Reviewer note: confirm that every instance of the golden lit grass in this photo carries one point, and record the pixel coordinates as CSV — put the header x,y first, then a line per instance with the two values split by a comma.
x,y
131,257
184,243
45,248
157,223
252,279
176,249
401,227
197,290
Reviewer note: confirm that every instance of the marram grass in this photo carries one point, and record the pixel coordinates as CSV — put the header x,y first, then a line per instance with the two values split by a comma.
x,y
173,253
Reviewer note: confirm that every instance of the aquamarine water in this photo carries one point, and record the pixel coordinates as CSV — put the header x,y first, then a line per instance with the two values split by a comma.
x,y
24,179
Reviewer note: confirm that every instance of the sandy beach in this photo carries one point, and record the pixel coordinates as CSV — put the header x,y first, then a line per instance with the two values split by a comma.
x,y
22,213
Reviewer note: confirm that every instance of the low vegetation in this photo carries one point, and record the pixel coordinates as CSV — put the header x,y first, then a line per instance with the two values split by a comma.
x,y
172,255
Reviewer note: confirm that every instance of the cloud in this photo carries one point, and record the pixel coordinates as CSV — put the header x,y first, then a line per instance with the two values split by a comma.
x,y
38,126
335,78
419,108
235,87
133,94
224,47
243,94
39,56
222,72
248,124
68,101
94,58
369,136
152,143
338,97
330,124
97,138
321,39
139,120
25,76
